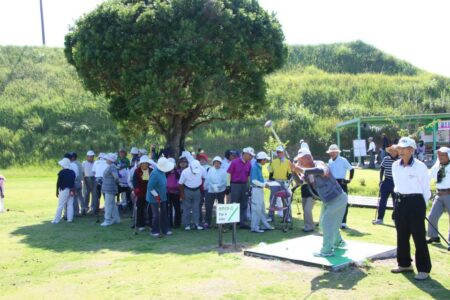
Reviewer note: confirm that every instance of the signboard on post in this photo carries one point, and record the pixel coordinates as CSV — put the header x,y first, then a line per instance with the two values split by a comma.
x,y
359,148
227,213
444,125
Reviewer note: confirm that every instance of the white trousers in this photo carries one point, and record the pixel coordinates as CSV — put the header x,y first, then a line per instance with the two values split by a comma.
x,y
111,211
2,204
258,213
63,200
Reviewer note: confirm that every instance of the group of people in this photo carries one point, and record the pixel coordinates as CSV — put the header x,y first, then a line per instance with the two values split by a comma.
x,y
165,193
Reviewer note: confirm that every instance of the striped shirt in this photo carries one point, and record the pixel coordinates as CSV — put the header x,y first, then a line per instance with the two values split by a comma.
x,y
386,164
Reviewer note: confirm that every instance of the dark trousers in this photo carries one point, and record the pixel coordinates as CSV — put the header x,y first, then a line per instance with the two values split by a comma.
x,y
173,205
239,195
344,187
386,190
89,186
141,205
210,199
159,222
410,220
96,196
127,191
201,204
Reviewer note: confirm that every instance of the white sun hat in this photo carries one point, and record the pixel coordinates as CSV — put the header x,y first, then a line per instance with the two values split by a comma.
x,y
134,150
112,157
90,153
65,163
406,142
262,155
164,165
249,150
280,149
333,148
195,166
444,150
303,152
143,152
217,158
145,159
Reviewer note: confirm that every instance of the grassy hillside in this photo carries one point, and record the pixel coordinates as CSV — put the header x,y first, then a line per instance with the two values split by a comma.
x,y
44,110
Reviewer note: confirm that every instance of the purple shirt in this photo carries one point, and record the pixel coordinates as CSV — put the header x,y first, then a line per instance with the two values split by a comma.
x,y
239,170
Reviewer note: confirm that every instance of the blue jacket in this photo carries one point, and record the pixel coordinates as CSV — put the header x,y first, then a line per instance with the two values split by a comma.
x,y
157,182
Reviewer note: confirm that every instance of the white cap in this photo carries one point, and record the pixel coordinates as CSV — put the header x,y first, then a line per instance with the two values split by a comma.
x,y
370,138
249,150
65,163
134,150
112,157
303,152
164,165
101,155
90,153
262,155
444,150
143,151
195,166
280,149
145,159
333,148
304,145
406,142
217,158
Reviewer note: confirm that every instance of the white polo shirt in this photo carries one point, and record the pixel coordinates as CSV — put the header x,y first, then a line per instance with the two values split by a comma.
x,y
412,178
87,168
189,179
99,168
445,183
339,167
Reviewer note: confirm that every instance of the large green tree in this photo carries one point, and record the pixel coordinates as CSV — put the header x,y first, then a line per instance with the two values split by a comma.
x,y
173,65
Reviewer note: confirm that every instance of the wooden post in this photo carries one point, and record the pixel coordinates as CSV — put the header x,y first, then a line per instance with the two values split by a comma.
x,y
234,236
220,235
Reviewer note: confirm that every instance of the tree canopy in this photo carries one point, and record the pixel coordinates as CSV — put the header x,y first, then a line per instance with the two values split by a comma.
x,y
174,65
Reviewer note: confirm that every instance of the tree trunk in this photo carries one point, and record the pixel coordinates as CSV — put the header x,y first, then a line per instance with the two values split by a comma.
x,y
176,137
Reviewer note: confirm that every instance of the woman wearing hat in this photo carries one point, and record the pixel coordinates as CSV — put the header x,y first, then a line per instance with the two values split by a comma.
x,y
386,183
65,189
216,183
157,197
110,189
173,197
258,184
189,184
140,181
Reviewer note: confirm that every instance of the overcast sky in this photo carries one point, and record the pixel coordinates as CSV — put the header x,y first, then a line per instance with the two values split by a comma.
x,y
416,31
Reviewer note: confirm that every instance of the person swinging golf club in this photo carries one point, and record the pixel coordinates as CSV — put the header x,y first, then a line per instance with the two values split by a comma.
x,y
412,185
334,200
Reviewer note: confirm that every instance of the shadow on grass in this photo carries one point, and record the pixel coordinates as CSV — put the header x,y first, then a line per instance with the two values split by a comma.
x,y
354,232
430,286
84,235
342,280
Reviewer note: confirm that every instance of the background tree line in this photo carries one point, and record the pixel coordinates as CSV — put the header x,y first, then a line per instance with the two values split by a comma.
x,y
44,110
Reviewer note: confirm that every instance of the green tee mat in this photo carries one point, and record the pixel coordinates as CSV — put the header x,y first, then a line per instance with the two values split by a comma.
x,y
301,250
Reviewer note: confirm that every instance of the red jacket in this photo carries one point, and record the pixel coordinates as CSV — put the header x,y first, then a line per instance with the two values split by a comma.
x,y
140,185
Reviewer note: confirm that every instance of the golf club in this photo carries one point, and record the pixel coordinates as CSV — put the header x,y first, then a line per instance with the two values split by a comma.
x,y
429,222
376,208
135,215
269,124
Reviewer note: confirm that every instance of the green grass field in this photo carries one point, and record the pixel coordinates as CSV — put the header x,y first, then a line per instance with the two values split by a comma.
x,y
84,261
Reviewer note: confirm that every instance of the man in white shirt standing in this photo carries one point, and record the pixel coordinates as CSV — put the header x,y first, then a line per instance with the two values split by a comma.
x,y
441,173
371,151
89,178
98,169
412,185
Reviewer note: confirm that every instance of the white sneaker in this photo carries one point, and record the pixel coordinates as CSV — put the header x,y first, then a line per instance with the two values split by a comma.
x,y
141,228
104,224
269,220
257,231
344,226
377,222
187,228
155,234
198,227
169,232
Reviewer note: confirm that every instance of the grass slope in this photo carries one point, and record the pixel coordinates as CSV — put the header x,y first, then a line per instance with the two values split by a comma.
x,y
82,260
